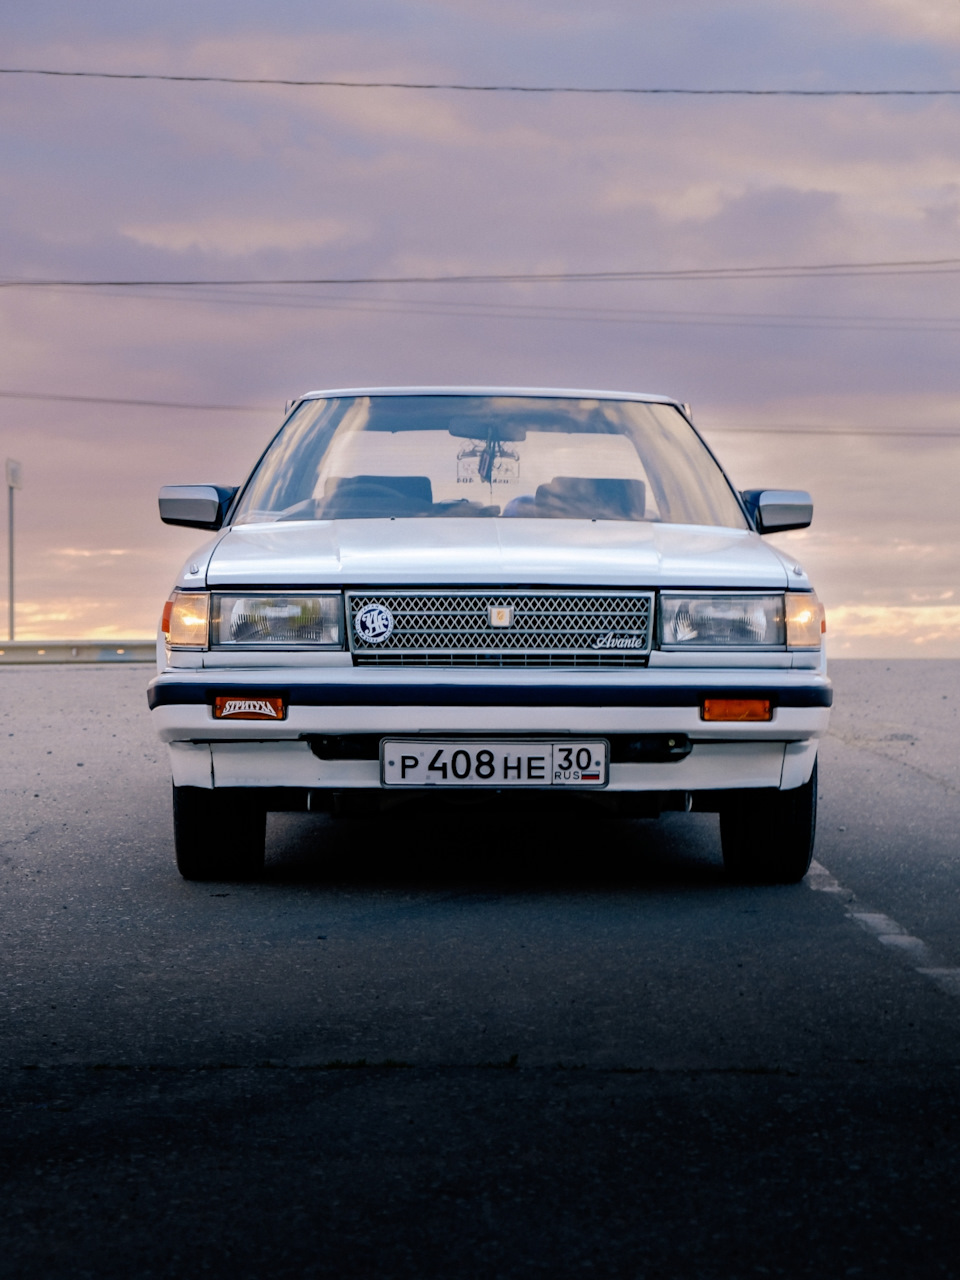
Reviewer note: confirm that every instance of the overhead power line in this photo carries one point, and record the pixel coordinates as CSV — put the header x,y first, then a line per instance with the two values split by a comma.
x,y
784,429
918,266
894,433
593,315
142,404
452,87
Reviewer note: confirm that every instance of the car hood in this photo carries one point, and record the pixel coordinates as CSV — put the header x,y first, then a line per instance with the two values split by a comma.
x,y
490,551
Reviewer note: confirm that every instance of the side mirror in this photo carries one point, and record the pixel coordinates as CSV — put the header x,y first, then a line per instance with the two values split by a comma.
x,y
776,510
198,506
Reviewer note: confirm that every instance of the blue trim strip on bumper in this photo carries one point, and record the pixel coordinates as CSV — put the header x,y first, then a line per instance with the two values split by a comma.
x,y
164,694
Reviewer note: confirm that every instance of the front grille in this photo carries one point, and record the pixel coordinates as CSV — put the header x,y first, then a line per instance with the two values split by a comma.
x,y
546,628
501,660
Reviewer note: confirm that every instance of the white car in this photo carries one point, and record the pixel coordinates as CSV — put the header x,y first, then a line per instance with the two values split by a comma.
x,y
429,590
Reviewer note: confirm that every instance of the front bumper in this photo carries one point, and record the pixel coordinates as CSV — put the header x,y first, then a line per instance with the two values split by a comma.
x,y
207,752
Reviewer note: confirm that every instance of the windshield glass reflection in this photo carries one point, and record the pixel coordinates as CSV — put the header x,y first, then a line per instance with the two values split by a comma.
x,y
507,457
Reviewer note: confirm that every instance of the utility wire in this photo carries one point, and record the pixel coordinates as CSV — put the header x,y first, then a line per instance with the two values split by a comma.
x,y
564,314
144,404
918,266
384,305
483,88
784,429
898,433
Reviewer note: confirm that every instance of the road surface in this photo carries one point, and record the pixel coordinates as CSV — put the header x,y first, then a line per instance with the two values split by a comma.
x,y
470,1042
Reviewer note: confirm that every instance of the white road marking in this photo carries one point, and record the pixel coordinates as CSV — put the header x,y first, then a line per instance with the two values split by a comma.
x,y
819,878
946,979
887,932
876,923
914,947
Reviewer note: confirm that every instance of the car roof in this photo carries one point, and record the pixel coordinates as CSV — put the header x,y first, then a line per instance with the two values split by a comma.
x,y
551,392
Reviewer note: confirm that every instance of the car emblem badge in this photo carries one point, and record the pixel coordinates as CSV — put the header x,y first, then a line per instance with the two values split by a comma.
x,y
620,640
501,615
374,623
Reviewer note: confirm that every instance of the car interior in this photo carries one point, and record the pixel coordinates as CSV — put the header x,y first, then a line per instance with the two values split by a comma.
x,y
563,498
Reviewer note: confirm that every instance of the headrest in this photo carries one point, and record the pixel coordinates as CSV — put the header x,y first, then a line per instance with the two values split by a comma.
x,y
595,499
414,488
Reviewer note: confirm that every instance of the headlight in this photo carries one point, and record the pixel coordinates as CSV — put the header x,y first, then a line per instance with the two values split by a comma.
x,y
734,621
296,622
805,620
186,620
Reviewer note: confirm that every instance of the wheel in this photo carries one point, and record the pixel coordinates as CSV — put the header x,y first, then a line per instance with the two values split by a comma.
x,y
767,836
218,835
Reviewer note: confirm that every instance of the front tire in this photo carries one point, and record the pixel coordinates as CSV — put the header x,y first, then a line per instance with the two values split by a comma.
x,y
767,836
218,834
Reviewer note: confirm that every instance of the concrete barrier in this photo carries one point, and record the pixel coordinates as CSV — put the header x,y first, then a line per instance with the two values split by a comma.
x,y
75,651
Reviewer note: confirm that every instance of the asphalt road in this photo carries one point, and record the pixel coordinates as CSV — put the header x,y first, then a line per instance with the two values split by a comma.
x,y
476,1043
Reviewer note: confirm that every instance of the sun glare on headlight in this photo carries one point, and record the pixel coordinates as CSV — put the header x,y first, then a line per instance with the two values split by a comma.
x,y
805,623
186,618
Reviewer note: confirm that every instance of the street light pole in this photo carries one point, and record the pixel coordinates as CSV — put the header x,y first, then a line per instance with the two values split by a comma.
x,y
13,482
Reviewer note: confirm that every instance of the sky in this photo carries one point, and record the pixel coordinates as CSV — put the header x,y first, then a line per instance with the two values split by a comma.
x,y
845,384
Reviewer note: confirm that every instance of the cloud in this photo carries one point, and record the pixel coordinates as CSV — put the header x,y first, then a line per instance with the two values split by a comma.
x,y
109,180
937,20
803,221
84,617
889,631
237,237
85,553
913,623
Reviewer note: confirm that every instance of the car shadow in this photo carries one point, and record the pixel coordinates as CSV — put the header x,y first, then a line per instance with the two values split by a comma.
x,y
489,846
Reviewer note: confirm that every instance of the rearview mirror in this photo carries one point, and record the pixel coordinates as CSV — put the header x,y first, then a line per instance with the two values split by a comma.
x,y
197,506
477,429
776,510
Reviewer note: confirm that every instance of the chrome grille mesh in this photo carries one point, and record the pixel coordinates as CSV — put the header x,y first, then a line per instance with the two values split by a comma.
x,y
501,660
549,628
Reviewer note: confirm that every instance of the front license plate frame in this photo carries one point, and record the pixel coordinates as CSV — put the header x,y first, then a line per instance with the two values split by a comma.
x,y
531,764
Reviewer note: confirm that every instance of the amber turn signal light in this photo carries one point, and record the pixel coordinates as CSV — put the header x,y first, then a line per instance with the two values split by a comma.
x,y
254,707
737,709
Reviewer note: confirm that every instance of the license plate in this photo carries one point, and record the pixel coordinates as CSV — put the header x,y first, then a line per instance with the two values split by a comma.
x,y
406,762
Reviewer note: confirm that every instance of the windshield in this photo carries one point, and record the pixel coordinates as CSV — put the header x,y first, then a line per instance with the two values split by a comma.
x,y
512,457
